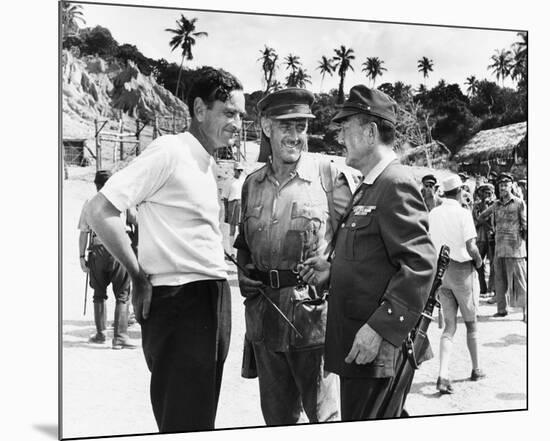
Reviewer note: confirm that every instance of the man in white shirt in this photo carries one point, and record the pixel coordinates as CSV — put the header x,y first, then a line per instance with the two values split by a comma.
x,y
232,203
180,294
453,225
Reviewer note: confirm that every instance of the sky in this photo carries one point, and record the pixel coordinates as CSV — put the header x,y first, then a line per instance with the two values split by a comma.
x,y
235,42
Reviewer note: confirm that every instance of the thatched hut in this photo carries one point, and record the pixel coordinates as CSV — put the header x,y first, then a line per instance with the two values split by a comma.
x,y
497,149
432,155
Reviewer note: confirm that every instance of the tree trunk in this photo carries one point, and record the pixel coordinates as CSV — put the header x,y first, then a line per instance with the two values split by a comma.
x,y
341,90
179,76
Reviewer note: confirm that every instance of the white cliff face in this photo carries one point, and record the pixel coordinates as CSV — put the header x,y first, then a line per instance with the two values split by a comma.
x,y
94,88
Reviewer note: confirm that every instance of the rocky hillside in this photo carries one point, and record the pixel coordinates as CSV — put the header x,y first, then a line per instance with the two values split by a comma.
x,y
94,88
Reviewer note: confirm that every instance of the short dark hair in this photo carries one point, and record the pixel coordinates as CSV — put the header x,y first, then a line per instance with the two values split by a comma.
x,y
385,128
211,85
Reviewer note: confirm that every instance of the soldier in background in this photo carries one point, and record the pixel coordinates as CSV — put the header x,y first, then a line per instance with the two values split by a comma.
x,y
105,270
485,235
429,191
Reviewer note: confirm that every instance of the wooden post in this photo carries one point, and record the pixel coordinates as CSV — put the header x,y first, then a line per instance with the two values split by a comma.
x,y
121,130
138,132
244,139
97,147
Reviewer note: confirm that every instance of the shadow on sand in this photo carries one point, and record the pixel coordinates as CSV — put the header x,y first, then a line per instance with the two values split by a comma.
x,y
417,388
510,339
78,336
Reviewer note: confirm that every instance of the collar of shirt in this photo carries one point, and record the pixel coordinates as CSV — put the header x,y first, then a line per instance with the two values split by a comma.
x,y
512,199
379,168
305,169
197,149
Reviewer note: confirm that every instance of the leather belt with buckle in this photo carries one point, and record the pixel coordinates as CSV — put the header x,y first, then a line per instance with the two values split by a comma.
x,y
277,278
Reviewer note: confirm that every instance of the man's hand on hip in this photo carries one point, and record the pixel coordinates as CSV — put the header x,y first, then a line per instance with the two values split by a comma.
x,y
365,346
142,292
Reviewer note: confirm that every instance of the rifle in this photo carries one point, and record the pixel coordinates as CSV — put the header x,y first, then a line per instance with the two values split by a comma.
x,y
89,240
86,293
415,347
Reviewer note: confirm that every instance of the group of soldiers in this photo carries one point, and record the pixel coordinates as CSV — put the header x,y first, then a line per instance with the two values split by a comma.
x,y
483,229
335,263
498,204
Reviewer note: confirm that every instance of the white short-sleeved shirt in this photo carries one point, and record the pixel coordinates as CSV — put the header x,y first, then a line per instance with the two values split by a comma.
x,y
234,188
173,183
452,225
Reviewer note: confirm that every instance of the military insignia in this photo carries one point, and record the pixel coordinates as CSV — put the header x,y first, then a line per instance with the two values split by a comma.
x,y
363,210
359,195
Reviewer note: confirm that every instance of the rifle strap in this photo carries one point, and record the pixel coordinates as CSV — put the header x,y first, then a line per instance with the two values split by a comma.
x,y
408,347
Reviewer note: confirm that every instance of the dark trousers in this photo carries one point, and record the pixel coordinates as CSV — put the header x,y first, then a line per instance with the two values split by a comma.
x,y
361,398
104,270
292,381
185,341
486,250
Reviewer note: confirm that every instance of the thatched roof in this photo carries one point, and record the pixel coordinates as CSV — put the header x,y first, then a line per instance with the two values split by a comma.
x,y
435,148
502,142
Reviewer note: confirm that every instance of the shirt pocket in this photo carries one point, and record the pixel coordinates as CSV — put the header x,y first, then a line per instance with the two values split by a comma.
x,y
359,237
307,219
253,224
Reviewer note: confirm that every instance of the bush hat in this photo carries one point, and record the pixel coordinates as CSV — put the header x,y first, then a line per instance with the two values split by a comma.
x,y
451,183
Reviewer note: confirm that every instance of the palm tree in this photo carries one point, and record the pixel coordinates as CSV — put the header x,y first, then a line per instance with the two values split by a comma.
x,y
472,84
521,45
401,92
325,66
502,64
425,65
269,65
70,16
301,78
293,63
373,68
184,38
343,63
519,67
421,89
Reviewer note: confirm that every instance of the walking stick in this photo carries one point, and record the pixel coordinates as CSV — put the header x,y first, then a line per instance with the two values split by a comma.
x,y
262,292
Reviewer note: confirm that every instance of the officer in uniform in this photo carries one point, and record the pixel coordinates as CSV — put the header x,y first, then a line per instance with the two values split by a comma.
x,y
290,208
383,262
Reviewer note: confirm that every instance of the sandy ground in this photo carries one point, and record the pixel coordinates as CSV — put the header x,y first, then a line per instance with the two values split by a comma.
x,y
105,392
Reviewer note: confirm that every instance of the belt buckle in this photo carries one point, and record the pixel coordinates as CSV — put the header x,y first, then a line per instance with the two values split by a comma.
x,y
277,284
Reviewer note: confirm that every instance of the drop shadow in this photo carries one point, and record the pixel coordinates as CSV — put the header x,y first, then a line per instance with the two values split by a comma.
x,y
511,396
510,339
50,430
